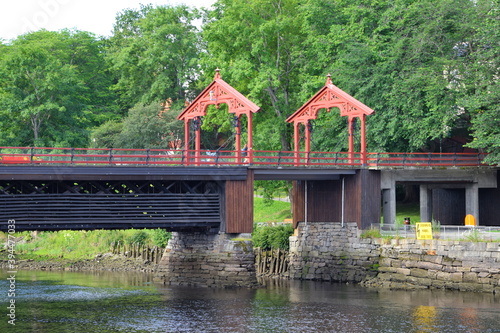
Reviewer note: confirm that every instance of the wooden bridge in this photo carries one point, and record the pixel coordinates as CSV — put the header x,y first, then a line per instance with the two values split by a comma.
x,y
193,188
73,192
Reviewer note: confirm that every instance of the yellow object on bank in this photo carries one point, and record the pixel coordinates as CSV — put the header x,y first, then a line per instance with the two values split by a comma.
x,y
424,230
470,220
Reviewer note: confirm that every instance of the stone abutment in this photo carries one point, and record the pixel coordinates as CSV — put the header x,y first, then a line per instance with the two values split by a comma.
x,y
331,252
211,260
336,253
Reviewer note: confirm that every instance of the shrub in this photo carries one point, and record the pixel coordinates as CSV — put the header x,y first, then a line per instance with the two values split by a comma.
x,y
160,237
138,237
272,237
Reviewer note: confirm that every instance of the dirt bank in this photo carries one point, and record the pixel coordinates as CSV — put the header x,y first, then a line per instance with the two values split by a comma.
x,y
102,262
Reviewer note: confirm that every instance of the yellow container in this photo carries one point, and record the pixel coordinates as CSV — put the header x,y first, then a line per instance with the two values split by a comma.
x,y
470,220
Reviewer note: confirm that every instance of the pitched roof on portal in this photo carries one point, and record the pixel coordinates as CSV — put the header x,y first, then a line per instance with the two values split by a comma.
x,y
327,97
218,92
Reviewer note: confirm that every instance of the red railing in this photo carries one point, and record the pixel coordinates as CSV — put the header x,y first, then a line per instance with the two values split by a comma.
x,y
164,157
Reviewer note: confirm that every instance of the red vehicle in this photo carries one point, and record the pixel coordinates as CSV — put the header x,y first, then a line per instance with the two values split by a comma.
x,y
14,159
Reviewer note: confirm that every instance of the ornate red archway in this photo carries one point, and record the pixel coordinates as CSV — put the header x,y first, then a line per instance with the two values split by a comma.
x,y
328,97
216,93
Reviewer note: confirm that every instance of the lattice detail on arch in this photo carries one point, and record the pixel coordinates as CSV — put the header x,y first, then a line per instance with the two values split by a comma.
x,y
216,93
326,98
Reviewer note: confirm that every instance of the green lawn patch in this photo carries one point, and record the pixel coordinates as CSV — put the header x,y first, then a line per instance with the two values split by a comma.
x,y
271,211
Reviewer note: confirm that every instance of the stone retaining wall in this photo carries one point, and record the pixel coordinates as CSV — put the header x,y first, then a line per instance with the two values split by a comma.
x,y
211,260
438,264
330,252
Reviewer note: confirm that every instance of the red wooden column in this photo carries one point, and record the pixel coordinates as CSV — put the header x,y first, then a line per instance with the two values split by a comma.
x,y
350,126
186,141
308,129
363,139
238,138
197,144
296,142
250,137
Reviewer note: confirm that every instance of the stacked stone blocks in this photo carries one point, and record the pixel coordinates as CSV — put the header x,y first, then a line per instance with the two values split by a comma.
x,y
439,264
332,252
209,260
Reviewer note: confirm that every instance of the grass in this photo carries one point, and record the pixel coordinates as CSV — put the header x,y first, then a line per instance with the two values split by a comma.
x,y
371,233
275,211
411,210
79,245
403,210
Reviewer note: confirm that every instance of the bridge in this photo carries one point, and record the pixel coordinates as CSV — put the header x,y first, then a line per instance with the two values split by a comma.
x,y
46,188
72,188
206,196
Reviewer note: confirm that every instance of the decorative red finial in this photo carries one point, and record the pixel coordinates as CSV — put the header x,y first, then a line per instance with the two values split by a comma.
x,y
217,73
328,79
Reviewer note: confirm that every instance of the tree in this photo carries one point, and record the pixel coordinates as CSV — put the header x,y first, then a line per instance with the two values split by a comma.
x,y
48,82
151,126
479,76
257,44
154,53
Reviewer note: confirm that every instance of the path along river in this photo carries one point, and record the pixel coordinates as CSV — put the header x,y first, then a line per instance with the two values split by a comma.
x,y
131,302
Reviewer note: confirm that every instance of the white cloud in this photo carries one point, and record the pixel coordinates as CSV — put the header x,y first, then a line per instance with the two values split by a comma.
x,y
97,16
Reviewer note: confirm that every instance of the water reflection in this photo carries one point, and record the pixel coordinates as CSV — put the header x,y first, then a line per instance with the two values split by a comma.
x,y
424,318
128,302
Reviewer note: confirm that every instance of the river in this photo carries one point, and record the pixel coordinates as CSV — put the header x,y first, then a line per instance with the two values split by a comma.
x,y
130,302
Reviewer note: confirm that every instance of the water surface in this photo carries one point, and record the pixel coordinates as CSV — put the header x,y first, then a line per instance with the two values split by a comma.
x,y
130,302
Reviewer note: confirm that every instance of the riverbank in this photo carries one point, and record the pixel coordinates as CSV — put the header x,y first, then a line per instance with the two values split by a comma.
x,y
101,262
326,252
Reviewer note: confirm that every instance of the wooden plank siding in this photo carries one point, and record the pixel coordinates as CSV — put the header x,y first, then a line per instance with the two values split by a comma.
x,y
362,199
371,198
239,205
110,211
325,201
298,207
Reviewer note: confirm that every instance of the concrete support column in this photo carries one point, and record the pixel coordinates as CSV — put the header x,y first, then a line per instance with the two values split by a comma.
x,y
472,201
425,204
389,204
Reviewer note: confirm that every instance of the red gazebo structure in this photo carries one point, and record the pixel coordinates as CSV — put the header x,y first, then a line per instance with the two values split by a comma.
x,y
216,93
326,98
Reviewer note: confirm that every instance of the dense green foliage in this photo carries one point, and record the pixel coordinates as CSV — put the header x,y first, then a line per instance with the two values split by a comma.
x,y
272,237
145,126
54,86
429,68
154,54
83,244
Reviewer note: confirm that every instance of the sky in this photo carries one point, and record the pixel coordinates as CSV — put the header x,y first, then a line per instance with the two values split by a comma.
x,y
21,16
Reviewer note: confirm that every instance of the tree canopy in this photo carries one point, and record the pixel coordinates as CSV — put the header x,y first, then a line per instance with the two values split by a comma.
x,y
154,53
53,88
429,68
